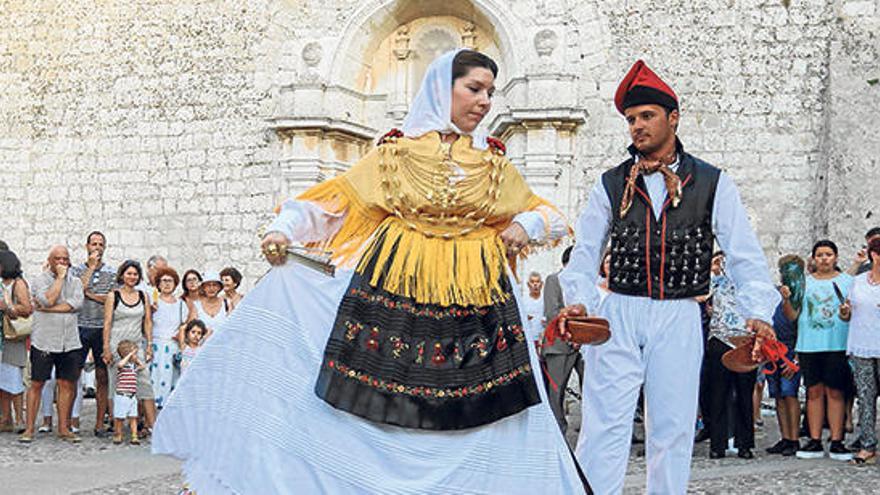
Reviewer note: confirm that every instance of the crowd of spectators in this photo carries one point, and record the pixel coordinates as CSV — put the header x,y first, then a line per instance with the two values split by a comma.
x,y
125,333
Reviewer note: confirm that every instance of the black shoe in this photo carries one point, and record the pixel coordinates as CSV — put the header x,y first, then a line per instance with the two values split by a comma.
x,y
102,433
838,451
812,450
855,446
717,454
791,448
702,435
745,454
778,447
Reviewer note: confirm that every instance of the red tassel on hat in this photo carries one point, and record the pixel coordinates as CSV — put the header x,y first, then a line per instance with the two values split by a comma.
x,y
642,86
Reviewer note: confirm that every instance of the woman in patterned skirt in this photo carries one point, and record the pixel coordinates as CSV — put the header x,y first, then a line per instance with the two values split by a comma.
x,y
409,372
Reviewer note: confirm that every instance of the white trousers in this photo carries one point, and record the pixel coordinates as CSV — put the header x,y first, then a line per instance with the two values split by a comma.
x,y
47,397
658,344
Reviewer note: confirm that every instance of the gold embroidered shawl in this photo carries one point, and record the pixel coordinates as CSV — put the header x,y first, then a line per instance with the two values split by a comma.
x,y
435,212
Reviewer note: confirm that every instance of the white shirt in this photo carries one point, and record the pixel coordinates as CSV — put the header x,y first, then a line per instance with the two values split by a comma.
x,y
864,327
746,263
534,311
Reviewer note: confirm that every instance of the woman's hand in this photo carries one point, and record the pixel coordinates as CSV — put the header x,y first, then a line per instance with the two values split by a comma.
x,y
514,238
148,353
274,247
846,311
785,292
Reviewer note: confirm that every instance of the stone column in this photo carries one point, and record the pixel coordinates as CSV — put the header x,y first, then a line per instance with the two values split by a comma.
x,y
402,52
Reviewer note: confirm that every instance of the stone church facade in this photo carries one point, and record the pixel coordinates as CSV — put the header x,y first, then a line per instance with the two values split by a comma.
x,y
175,126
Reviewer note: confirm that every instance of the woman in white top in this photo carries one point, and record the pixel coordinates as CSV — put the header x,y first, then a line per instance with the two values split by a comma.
x,y
169,315
863,348
231,279
211,308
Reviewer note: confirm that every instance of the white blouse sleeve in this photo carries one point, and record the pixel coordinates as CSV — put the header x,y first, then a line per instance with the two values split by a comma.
x,y
578,278
543,224
304,221
746,263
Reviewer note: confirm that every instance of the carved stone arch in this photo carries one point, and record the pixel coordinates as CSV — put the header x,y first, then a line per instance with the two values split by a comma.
x,y
376,20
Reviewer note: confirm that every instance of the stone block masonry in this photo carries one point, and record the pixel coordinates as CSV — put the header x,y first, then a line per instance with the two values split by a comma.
x,y
148,119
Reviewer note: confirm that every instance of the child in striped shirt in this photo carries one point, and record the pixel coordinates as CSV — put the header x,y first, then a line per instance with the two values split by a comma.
x,y
125,404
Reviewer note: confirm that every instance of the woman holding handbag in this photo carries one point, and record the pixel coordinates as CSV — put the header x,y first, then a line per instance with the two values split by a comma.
x,y
15,305
169,315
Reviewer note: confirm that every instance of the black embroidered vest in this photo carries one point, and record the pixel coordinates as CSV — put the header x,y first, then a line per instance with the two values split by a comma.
x,y
669,257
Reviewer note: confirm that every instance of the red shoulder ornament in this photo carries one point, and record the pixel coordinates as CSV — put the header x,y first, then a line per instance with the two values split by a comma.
x,y
496,145
390,136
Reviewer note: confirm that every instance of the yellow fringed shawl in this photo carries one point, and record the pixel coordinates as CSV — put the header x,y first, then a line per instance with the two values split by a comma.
x,y
436,252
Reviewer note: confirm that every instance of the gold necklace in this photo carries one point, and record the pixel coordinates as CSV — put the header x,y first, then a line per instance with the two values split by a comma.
x,y
438,189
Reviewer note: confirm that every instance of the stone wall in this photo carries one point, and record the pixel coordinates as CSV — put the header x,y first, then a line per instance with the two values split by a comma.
x,y
148,119
851,171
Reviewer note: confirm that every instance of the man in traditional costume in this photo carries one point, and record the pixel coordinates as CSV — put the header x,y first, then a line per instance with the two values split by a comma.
x,y
410,371
662,209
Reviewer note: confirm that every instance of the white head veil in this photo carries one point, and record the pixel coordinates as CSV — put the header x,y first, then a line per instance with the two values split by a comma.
x,y
431,110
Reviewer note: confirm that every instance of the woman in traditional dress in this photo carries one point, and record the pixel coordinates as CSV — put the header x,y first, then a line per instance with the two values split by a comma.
x,y
409,372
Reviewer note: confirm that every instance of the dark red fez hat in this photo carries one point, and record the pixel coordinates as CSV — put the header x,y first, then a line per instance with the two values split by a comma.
x,y
641,87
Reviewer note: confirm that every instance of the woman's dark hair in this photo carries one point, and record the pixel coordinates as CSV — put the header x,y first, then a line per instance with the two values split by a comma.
x,y
186,275
466,60
824,243
233,273
124,267
195,323
874,247
10,264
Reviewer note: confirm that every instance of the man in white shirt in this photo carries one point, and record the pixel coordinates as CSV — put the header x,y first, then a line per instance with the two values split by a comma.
x,y
533,306
55,341
662,228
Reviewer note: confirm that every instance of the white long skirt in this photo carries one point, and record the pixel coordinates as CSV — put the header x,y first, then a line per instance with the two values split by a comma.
x,y
246,420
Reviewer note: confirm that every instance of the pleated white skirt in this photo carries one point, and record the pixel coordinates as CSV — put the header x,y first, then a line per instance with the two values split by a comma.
x,y
245,418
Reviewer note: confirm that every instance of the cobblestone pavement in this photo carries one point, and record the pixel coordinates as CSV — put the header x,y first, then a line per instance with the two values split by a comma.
x,y
49,466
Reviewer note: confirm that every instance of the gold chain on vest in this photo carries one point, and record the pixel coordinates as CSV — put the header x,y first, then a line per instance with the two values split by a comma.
x,y
439,189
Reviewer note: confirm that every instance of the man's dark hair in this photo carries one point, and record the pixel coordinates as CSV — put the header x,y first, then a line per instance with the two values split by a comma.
x,y
466,60
566,255
124,267
872,233
4,246
233,273
96,232
824,243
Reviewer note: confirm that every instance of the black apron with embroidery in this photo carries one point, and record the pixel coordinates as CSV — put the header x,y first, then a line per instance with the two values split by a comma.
x,y
425,366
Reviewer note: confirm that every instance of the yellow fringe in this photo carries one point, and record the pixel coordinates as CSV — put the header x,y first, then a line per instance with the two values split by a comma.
x,y
460,271
337,196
